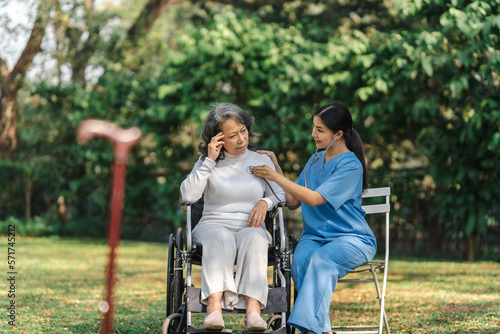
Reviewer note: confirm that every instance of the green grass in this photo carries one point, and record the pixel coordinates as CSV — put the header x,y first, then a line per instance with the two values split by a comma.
x,y
60,282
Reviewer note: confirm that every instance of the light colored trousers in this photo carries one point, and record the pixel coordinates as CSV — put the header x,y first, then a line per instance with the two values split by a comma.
x,y
316,267
222,248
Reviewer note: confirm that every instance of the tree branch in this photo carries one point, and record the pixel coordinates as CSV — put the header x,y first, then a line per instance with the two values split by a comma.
x,y
155,8
151,12
89,7
82,54
32,46
4,71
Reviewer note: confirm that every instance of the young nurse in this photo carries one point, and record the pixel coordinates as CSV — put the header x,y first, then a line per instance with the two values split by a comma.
x,y
335,237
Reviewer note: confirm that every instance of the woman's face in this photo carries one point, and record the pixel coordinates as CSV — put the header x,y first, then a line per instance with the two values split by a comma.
x,y
322,135
235,136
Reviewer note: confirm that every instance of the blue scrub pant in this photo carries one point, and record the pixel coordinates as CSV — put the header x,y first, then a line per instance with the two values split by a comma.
x,y
316,267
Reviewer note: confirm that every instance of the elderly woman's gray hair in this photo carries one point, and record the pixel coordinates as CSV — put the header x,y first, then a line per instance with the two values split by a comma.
x,y
220,113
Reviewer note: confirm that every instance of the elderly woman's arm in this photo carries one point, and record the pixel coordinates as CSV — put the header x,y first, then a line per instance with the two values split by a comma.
x,y
194,185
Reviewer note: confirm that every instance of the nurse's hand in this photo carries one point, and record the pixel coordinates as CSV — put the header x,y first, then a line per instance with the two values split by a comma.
x,y
273,158
265,171
258,214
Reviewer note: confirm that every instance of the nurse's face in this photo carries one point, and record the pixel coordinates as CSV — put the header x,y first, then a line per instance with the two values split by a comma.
x,y
322,135
235,136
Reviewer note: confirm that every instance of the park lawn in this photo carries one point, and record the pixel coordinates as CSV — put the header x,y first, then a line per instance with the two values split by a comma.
x,y
60,282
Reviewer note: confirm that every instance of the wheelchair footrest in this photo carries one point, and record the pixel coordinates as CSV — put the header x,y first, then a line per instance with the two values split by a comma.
x,y
281,330
191,329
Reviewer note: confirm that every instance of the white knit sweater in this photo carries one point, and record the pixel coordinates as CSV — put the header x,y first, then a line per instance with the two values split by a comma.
x,y
230,191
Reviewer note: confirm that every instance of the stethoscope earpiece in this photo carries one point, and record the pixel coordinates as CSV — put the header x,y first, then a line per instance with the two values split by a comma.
x,y
316,158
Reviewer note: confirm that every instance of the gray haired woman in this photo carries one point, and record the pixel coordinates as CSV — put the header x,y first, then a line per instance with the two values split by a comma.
x,y
231,228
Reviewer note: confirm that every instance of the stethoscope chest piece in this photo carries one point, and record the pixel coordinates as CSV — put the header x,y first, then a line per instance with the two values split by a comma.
x,y
249,170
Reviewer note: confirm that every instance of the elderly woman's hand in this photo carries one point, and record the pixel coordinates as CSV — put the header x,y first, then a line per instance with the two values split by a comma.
x,y
258,214
215,146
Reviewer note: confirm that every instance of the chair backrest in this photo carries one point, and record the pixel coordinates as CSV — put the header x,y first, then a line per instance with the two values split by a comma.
x,y
197,211
377,208
380,208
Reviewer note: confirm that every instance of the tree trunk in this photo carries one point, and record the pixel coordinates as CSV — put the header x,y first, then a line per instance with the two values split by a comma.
x,y
12,81
471,247
27,195
8,140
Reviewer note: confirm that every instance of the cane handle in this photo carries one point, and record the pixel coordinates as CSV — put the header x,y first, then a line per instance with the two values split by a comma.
x,y
123,139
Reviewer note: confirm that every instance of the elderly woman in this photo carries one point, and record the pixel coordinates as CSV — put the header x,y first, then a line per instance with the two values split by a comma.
x,y
231,228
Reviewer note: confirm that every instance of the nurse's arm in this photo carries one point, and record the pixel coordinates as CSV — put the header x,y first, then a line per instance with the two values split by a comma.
x,y
294,193
300,193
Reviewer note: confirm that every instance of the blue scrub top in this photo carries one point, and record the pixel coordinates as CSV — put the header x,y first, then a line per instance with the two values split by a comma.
x,y
340,182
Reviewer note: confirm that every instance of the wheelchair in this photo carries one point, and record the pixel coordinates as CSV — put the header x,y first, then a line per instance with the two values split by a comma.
x,y
183,298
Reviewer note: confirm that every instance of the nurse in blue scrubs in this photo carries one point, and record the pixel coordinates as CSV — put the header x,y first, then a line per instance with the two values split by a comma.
x,y
335,237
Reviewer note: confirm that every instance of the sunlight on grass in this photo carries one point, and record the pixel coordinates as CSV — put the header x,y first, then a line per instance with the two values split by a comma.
x,y
60,283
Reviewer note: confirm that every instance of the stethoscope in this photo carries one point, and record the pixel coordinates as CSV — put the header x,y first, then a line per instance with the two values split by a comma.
x,y
250,171
316,158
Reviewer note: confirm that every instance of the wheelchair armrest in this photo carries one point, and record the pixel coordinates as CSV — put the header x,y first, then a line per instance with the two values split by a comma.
x,y
274,210
193,213
281,225
189,237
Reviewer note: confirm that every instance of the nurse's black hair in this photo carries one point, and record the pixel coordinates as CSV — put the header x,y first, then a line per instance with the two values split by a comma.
x,y
337,117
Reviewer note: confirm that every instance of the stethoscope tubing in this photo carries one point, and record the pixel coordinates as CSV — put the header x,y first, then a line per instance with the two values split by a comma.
x,y
315,159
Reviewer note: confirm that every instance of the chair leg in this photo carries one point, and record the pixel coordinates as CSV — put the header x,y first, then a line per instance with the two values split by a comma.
x,y
386,323
383,316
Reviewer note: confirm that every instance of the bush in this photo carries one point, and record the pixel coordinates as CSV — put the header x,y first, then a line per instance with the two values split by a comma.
x,y
35,227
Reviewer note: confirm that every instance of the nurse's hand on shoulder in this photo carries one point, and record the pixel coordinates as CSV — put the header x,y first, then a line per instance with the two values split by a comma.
x,y
272,156
258,214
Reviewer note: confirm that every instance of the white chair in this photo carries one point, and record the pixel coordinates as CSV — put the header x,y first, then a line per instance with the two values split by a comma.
x,y
373,266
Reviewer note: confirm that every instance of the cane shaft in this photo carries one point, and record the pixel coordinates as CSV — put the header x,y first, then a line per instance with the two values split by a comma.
x,y
114,240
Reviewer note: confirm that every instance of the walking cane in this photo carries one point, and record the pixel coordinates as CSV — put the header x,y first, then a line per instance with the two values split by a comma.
x,y
123,140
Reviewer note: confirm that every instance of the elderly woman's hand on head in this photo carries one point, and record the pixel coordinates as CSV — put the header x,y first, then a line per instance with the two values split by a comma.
x,y
258,214
215,146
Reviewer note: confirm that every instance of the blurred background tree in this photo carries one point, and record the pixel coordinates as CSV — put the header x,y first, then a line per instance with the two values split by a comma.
x,y
420,77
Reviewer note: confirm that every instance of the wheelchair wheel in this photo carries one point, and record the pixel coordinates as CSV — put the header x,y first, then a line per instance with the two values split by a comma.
x,y
172,324
178,280
274,322
170,275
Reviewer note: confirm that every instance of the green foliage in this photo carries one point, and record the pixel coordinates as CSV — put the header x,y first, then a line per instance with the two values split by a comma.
x,y
461,121
12,197
420,77
36,227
